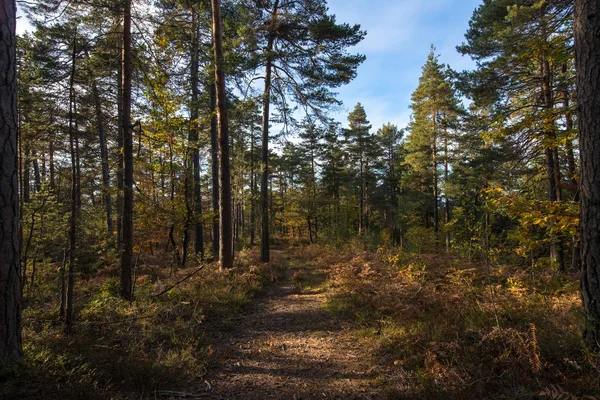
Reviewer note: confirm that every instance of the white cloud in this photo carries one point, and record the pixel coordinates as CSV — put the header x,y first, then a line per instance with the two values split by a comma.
x,y
389,24
399,34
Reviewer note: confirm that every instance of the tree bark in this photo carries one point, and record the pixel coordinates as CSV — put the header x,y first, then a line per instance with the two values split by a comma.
x,y
37,178
587,56
119,200
51,160
25,187
446,202
10,285
195,164
264,188
552,167
74,194
225,234
104,161
434,171
571,170
214,147
361,200
127,224
252,190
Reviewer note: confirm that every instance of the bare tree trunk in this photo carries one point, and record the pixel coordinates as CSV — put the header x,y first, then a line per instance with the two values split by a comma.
x,y
74,195
37,178
214,147
120,134
552,175
177,259
572,173
252,191
393,195
264,188
447,203
26,172
127,250
104,160
436,219
225,237
587,55
51,160
10,285
194,117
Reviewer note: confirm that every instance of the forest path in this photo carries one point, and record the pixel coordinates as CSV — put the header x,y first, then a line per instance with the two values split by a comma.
x,y
286,346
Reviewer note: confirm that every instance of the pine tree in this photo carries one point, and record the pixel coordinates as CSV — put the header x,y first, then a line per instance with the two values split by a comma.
x,y
587,48
388,138
10,286
225,234
521,47
361,147
305,55
435,107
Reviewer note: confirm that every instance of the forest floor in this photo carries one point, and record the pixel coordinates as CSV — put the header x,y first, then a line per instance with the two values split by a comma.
x,y
288,346
318,322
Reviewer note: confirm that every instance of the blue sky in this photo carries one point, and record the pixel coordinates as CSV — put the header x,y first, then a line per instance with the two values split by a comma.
x,y
399,36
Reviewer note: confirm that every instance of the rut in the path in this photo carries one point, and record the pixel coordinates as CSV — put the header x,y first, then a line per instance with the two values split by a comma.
x,y
287,347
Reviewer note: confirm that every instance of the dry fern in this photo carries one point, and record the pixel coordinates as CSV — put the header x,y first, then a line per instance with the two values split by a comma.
x,y
555,392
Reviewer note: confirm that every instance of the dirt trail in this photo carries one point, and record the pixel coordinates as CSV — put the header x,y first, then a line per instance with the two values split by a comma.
x,y
285,346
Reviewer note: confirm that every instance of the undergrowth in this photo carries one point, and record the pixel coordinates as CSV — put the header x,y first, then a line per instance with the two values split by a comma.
x,y
435,326
124,350
440,326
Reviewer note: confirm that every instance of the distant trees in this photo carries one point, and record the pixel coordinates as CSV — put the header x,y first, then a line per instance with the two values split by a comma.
x,y
388,140
10,275
435,113
304,56
361,147
587,48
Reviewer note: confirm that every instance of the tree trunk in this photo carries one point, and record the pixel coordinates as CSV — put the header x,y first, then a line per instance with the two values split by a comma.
x,y
74,195
265,255
264,189
572,173
127,250
587,55
51,160
225,237
214,147
393,196
447,203
435,179
26,172
176,258
37,178
120,135
361,200
552,175
252,191
104,160
194,117
10,285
